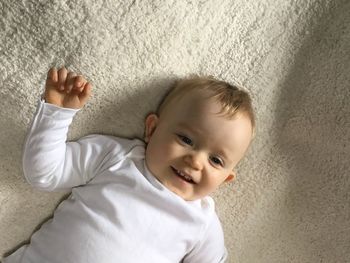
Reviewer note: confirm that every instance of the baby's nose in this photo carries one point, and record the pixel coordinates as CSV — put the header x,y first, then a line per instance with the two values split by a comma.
x,y
194,160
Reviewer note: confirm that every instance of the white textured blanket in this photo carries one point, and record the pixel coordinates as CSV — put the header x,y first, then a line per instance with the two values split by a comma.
x,y
290,202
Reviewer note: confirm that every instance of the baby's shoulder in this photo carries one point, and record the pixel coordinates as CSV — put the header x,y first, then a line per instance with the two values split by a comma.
x,y
114,144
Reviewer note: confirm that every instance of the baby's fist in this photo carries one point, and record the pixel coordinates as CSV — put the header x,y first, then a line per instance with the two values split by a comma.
x,y
66,89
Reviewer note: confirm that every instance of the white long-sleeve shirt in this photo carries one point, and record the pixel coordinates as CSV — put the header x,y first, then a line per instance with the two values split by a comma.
x,y
117,211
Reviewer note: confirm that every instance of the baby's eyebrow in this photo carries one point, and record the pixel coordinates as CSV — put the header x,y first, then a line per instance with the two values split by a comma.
x,y
188,127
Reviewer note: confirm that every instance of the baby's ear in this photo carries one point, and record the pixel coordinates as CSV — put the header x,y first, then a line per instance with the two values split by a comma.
x,y
150,125
230,177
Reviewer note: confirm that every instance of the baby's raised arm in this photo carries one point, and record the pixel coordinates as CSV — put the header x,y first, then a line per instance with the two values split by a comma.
x,y
66,89
50,162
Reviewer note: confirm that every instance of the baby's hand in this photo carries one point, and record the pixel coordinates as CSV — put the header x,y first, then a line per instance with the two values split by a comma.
x,y
66,89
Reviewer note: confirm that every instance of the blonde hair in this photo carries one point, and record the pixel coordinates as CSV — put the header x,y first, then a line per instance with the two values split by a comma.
x,y
233,99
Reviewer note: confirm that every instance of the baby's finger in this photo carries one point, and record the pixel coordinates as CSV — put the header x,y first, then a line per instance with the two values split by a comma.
x,y
62,75
85,95
52,75
79,83
70,81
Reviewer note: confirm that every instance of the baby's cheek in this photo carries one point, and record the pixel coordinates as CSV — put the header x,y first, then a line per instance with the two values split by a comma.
x,y
166,148
210,181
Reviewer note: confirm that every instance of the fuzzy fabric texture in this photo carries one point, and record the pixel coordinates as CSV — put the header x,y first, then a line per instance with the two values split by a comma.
x,y
290,201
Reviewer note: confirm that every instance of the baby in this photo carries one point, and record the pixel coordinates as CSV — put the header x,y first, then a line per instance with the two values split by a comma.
x,y
132,200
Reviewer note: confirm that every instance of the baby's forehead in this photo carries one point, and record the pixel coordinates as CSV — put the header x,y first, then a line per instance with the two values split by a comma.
x,y
197,114
195,107
194,98
199,104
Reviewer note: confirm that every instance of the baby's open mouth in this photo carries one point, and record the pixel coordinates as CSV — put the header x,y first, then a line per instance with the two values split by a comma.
x,y
183,176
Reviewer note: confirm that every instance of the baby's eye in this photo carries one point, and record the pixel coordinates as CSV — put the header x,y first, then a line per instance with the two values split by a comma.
x,y
216,160
185,139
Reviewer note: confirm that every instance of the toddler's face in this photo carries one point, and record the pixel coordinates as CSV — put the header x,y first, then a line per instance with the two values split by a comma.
x,y
189,139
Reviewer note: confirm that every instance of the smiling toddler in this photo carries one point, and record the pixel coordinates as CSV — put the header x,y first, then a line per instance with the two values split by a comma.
x,y
136,200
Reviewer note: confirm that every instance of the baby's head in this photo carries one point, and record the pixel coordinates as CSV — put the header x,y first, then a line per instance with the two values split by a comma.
x,y
202,129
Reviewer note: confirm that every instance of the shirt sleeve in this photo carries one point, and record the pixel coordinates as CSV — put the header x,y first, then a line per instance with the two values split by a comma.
x,y
211,248
52,164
